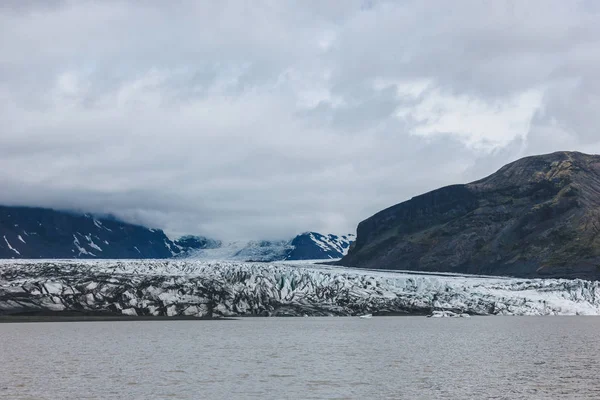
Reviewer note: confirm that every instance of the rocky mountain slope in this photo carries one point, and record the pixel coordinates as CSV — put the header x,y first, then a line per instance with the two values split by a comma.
x,y
536,217
43,233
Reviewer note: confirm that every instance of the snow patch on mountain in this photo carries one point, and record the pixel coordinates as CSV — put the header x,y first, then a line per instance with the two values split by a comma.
x,y
80,248
91,242
10,247
340,244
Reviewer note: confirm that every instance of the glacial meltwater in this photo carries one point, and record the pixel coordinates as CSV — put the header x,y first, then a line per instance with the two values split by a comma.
x,y
304,358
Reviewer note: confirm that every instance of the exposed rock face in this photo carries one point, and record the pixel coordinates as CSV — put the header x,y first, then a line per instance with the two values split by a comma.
x,y
213,289
43,233
315,246
536,217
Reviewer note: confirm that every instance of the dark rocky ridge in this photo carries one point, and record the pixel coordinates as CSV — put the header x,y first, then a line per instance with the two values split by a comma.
x,y
536,217
27,232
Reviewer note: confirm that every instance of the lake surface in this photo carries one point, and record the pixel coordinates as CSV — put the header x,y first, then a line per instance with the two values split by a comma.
x,y
304,358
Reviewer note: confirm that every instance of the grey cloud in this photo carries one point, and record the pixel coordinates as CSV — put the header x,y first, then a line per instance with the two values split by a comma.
x,y
263,119
368,107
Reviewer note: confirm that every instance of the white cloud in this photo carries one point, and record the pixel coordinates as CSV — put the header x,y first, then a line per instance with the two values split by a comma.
x,y
485,125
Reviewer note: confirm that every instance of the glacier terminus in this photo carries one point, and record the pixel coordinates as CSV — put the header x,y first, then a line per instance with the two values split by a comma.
x,y
197,288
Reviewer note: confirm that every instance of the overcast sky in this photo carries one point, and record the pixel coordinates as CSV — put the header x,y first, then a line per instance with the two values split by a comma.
x,y
262,119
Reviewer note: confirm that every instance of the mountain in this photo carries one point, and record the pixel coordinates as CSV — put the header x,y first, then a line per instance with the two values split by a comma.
x,y
44,233
315,246
27,232
306,246
536,217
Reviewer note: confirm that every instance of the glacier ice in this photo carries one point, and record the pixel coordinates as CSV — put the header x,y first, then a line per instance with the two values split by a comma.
x,y
201,288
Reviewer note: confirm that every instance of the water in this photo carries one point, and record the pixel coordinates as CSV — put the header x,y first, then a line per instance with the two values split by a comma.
x,y
304,358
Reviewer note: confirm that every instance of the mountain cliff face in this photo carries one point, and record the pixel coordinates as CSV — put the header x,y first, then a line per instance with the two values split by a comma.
x,y
43,233
536,217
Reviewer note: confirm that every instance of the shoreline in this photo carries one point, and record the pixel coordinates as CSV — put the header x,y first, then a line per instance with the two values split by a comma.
x,y
96,317
74,316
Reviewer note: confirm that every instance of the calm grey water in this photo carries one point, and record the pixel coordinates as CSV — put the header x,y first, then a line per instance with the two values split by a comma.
x,y
304,358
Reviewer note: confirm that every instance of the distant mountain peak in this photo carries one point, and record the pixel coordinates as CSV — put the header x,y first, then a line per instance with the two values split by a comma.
x,y
314,246
306,246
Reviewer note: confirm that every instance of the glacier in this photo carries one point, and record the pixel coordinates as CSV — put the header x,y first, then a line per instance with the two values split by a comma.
x,y
228,289
305,246
243,251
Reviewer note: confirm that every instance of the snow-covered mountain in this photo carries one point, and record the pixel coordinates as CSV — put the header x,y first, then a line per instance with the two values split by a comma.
x,y
198,288
306,246
44,233
315,246
27,232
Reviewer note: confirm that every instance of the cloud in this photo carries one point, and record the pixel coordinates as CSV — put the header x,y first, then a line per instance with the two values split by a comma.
x,y
264,119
